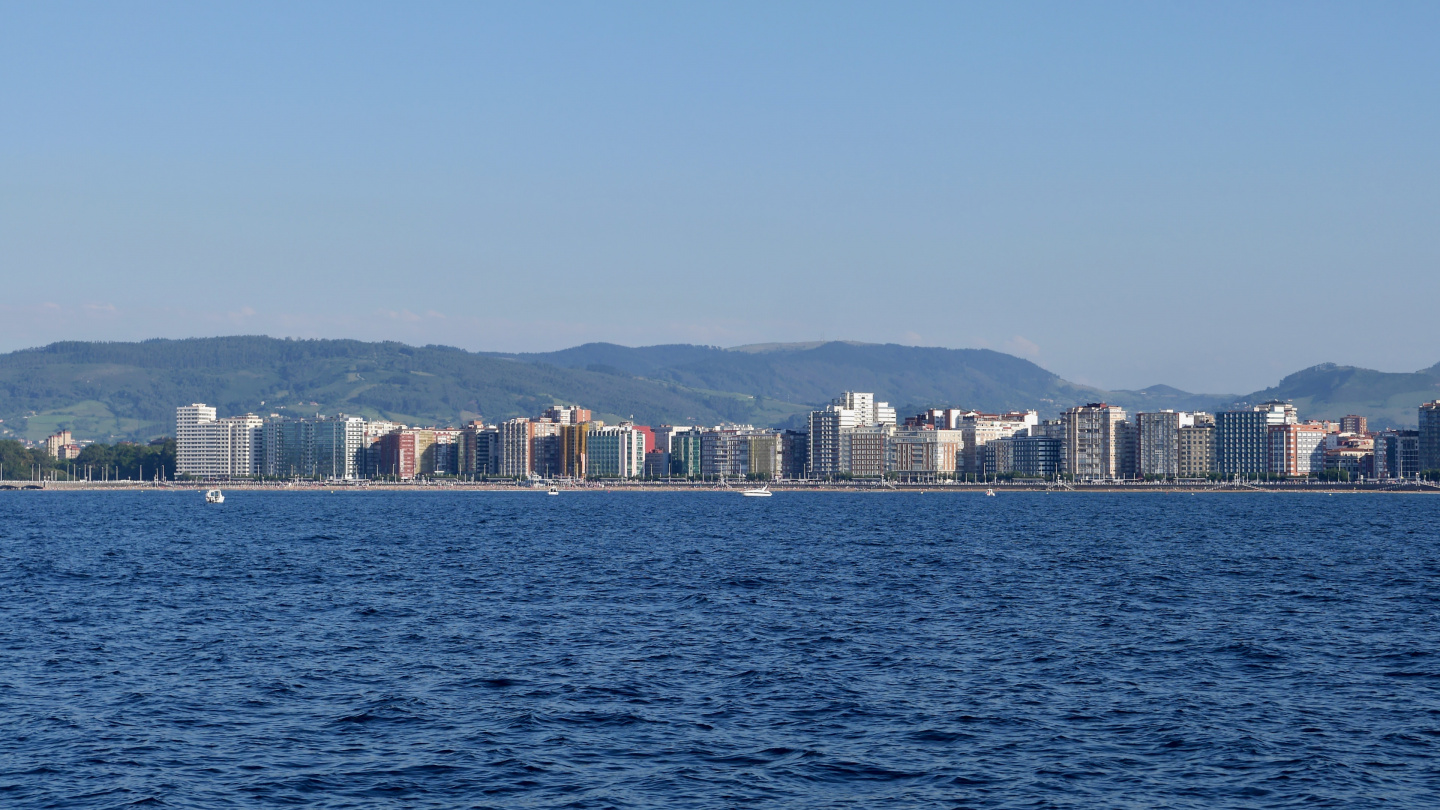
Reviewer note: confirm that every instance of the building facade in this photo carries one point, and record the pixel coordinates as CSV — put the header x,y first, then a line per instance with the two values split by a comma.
x,y
1093,441
1429,436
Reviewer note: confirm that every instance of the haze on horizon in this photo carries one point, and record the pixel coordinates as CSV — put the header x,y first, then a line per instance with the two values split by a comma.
x,y
1128,194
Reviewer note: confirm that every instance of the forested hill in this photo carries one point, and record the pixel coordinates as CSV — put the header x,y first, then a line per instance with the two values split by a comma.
x,y
107,391
103,391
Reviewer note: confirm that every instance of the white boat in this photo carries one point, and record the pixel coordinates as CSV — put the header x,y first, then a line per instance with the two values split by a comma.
x,y
989,493
553,491
762,492
214,496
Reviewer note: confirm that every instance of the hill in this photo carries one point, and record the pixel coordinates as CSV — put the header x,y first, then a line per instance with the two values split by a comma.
x,y
107,391
110,391
911,378
1328,391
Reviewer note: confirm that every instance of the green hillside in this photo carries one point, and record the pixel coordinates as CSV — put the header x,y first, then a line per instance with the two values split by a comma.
x,y
113,391
911,378
105,391
1328,391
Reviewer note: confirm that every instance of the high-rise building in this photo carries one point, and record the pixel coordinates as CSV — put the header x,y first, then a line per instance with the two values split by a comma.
x,y
566,415
869,450
829,448
794,454
1195,451
515,437
340,447
1157,442
398,454
1296,450
1397,454
867,410
216,448
1353,424
1025,456
685,453
615,452
55,444
764,454
979,429
189,443
927,454
572,450
1430,435
1093,441
372,434
1242,438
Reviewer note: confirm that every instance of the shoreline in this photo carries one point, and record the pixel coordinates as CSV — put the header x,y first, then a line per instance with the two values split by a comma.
x,y
894,488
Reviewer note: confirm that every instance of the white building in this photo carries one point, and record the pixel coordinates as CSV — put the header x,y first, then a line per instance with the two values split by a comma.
x,y
207,447
829,447
867,410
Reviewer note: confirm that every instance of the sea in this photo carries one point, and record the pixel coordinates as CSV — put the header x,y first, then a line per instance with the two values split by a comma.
x,y
704,650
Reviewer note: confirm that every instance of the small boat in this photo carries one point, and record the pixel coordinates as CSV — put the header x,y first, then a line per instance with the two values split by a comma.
x,y
989,493
553,490
762,492
214,496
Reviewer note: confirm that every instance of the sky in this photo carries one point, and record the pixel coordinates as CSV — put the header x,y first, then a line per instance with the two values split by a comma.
x,y
1204,195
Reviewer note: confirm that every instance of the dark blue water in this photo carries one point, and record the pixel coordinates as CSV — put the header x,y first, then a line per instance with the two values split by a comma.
x,y
705,650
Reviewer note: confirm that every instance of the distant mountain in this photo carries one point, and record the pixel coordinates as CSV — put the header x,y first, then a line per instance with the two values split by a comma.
x,y
911,378
1328,391
108,391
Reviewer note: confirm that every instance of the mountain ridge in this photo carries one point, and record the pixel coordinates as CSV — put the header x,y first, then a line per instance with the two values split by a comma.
x,y
128,390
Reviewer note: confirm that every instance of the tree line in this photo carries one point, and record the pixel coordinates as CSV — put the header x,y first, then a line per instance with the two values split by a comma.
x,y
123,460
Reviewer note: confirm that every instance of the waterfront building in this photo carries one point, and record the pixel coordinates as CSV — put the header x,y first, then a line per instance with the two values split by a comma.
x,y
215,448
925,453
398,454
869,449
1242,438
1354,461
1157,442
794,454
763,454
1397,454
1024,456
685,452
1092,441
615,452
571,451
979,429
484,451
373,432
1195,450
189,445
340,447
657,464
288,447
1353,424
1296,450
545,447
444,452
1430,436
829,449
515,448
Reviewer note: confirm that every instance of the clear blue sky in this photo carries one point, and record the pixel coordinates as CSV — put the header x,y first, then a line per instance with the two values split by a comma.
x,y
1206,195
